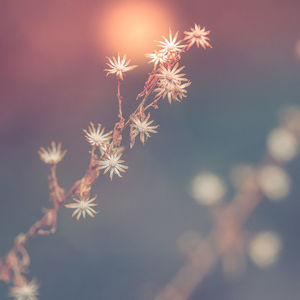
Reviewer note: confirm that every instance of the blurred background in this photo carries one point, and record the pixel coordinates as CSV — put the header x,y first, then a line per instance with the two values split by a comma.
x,y
52,56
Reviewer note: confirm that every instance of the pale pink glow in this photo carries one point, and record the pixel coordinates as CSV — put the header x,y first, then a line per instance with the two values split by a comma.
x,y
49,42
131,27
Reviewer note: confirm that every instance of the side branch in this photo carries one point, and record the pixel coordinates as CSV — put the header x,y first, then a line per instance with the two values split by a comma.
x,y
17,259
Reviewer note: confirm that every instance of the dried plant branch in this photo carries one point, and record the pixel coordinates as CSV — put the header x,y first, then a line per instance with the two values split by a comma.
x,y
105,154
120,99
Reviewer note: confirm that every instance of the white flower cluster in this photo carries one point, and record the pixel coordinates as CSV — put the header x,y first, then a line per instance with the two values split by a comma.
x,y
166,81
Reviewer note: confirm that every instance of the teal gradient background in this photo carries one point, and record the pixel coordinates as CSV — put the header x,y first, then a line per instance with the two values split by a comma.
x,y
53,85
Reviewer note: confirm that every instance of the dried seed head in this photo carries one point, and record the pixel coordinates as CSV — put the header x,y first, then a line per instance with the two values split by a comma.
x,y
52,155
119,66
171,46
197,36
96,136
141,127
83,206
112,162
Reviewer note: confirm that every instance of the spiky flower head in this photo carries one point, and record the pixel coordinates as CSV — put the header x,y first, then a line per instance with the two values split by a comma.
x,y
52,155
142,127
27,291
171,45
158,57
84,205
171,83
198,36
112,162
96,136
118,66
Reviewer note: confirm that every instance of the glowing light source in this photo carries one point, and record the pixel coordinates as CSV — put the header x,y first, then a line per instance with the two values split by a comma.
x,y
131,27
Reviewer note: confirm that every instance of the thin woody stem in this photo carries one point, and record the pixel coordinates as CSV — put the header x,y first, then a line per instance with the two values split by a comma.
x,y
58,196
152,104
147,93
120,99
11,263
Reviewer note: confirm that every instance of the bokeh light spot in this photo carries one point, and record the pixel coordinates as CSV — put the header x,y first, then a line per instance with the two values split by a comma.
x,y
274,182
207,189
131,27
264,249
282,144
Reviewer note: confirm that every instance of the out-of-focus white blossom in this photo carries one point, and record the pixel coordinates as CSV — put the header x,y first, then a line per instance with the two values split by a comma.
x,y
282,144
264,249
27,291
52,155
274,182
207,189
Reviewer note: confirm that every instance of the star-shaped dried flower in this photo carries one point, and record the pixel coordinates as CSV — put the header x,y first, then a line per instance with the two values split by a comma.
x,y
83,206
158,57
198,36
171,74
27,291
171,45
170,83
112,162
97,137
118,66
143,127
174,92
52,155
